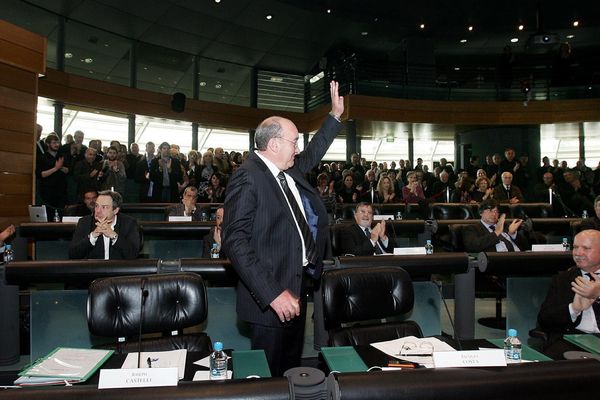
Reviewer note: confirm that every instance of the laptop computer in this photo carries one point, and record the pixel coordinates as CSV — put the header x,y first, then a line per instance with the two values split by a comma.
x,y
38,214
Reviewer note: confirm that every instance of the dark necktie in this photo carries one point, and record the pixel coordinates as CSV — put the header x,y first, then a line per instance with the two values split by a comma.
x,y
508,192
309,243
508,243
595,304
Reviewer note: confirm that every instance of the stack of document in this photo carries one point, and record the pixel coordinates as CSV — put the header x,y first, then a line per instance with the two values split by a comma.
x,y
158,359
413,349
63,366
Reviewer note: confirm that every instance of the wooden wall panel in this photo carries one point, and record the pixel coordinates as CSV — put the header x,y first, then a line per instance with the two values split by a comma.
x,y
22,58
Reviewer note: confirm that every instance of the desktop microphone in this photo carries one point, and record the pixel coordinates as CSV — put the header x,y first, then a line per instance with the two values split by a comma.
x,y
143,297
438,284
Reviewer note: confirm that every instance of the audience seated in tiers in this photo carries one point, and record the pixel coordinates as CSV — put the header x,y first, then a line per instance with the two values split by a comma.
x,y
506,192
86,207
106,234
142,174
571,305
187,207
592,222
359,239
493,234
214,236
165,173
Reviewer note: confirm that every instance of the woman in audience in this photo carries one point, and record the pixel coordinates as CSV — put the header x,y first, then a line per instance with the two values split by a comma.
x,y
326,191
193,166
413,191
215,191
347,193
206,170
483,191
462,193
385,191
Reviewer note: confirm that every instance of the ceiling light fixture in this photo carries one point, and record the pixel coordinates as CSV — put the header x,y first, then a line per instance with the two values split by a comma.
x,y
463,40
422,26
514,40
457,68
575,23
88,60
364,33
521,27
269,17
470,28
217,1
218,85
202,83
570,36
329,11
68,55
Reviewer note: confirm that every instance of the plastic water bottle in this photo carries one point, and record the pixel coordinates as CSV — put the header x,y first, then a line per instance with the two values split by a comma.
x,y
56,216
512,347
218,363
584,214
428,247
399,216
214,252
9,254
565,244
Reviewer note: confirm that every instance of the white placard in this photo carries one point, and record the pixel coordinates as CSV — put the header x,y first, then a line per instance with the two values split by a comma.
x,y
403,251
175,218
137,377
71,220
547,247
383,217
471,358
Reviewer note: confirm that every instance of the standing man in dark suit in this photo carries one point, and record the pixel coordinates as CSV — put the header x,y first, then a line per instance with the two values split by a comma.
x,y
106,234
491,234
572,304
275,229
359,239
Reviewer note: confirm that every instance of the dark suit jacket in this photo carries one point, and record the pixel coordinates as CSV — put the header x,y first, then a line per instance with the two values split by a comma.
x,y
500,193
179,209
175,177
554,316
259,231
354,241
477,238
126,247
140,177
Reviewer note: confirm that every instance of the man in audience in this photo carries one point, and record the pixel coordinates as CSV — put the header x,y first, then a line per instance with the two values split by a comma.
x,y
142,174
214,236
442,189
357,169
73,152
593,222
492,234
187,207
510,162
86,208
368,187
113,174
106,234
221,162
133,158
571,305
576,194
165,173
87,172
507,192
52,173
542,189
359,239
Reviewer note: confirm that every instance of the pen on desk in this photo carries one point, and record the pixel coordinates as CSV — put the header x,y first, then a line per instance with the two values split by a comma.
x,y
415,355
149,361
400,365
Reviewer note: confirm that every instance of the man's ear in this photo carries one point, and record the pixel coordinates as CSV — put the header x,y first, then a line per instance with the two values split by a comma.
x,y
117,210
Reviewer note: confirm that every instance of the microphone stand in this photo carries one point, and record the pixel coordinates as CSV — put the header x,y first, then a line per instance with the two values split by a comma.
x,y
566,209
143,297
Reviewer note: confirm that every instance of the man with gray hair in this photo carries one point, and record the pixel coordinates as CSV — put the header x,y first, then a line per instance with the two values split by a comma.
x,y
275,231
187,207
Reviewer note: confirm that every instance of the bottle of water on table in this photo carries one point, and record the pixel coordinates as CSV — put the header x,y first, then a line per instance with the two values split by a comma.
x,y
218,363
428,247
512,347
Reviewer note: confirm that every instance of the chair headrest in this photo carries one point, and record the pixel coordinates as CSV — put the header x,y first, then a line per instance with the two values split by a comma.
x,y
173,302
364,293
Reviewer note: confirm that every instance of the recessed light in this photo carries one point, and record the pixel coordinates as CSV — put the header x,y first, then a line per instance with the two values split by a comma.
x,y
463,40
68,55
457,68
329,11
576,23
269,16
90,71
217,1
470,28
202,83
218,85
364,33
589,88
422,26
570,36
514,40
521,27
88,60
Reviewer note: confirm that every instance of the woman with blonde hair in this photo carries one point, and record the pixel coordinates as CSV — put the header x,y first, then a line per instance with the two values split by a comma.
x,y
385,190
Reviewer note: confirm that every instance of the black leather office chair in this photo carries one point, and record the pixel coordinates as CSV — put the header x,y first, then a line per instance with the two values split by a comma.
x,y
450,211
172,302
355,295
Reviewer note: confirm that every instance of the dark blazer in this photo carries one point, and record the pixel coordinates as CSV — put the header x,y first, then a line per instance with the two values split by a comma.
x,y
126,247
554,316
501,196
259,231
140,177
354,241
175,177
477,238
179,209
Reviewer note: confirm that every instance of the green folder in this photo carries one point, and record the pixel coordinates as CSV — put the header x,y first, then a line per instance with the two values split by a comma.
x,y
343,359
250,363
587,342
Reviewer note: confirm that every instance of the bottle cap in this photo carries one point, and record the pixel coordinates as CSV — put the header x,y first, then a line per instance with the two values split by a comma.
x,y
512,332
218,346
8,246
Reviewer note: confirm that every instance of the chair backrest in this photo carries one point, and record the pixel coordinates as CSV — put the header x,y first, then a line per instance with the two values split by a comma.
x,y
173,302
365,293
450,211
456,239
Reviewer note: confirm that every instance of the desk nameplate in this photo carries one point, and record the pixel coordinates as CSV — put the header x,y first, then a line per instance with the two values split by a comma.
x,y
137,377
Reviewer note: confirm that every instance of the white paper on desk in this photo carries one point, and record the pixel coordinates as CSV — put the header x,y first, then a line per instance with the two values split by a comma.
x,y
204,375
205,362
159,359
392,349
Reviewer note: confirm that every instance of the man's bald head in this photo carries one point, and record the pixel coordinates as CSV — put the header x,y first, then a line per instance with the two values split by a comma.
x,y
586,250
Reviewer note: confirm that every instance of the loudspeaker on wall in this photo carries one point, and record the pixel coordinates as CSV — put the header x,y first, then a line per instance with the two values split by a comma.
x,y
178,102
